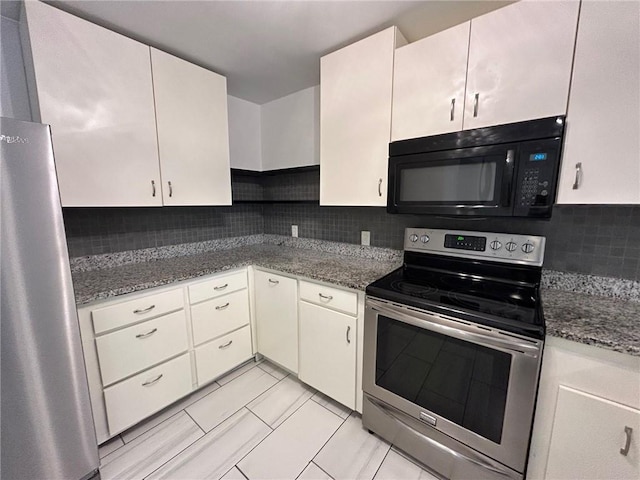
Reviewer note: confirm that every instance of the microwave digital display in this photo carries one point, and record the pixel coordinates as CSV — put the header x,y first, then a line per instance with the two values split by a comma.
x,y
536,157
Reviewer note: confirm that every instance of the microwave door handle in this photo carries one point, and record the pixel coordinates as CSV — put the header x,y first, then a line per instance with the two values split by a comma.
x,y
507,178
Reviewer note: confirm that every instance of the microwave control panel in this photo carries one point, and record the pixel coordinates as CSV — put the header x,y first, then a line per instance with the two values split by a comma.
x,y
536,176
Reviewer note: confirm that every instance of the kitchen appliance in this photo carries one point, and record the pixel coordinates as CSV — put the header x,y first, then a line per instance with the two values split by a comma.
x,y
452,351
47,424
507,170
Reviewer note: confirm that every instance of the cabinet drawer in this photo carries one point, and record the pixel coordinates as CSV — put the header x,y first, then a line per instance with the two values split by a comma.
x,y
130,401
133,311
220,315
329,297
135,348
215,287
221,355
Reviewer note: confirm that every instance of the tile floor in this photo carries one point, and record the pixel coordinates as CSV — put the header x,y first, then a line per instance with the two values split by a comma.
x,y
257,422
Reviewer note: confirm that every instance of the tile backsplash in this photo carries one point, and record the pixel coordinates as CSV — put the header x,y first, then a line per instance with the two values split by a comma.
x,y
599,240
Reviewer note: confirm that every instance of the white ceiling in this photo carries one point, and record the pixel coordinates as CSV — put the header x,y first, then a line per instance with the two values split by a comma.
x,y
268,49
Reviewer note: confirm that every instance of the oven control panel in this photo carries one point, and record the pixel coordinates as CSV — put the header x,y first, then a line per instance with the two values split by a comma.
x,y
500,247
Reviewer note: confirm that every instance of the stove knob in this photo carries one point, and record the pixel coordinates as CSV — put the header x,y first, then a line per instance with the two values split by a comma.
x,y
511,246
424,238
495,245
413,237
528,247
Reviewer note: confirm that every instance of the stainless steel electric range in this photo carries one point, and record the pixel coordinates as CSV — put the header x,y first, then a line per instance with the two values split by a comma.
x,y
452,351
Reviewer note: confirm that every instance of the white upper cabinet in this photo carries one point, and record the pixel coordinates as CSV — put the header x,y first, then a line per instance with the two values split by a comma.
x,y
428,84
520,60
603,121
94,88
193,133
355,120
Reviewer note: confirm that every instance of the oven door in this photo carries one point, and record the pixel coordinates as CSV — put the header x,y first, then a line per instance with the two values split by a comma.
x,y
470,181
472,383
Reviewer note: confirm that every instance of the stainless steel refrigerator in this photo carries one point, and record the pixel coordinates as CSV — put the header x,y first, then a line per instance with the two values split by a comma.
x,y
46,421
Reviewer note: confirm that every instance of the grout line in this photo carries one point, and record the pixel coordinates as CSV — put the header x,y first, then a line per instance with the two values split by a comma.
x,y
380,466
326,408
321,468
332,435
194,421
241,472
255,415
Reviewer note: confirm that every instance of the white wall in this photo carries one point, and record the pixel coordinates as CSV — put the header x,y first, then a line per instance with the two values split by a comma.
x,y
14,98
291,130
245,145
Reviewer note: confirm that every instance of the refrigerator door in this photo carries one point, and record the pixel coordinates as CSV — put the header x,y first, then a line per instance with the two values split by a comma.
x,y
47,424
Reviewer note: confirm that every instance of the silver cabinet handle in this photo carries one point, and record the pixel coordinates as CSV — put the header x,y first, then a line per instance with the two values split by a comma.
x,y
221,287
275,282
476,98
576,182
348,334
226,344
144,310
628,431
151,382
146,335
380,187
170,189
453,106
153,188
325,297
222,307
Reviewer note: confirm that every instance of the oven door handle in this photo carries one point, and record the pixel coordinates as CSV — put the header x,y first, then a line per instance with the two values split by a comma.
x,y
476,461
452,328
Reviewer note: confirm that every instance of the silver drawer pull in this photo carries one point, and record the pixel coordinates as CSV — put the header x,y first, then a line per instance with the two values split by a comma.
x,y
380,187
226,344
275,282
348,332
576,183
170,189
221,287
453,107
476,99
222,307
151,382
325,297
148,334
627,431
144,310
153,188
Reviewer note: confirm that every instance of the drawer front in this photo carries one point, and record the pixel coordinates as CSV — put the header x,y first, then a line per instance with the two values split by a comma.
x,y
329,297
135,348
133,311
130,401
221,355
218,286
219,316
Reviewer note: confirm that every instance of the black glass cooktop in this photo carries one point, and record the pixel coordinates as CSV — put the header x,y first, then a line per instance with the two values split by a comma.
x,y
502,297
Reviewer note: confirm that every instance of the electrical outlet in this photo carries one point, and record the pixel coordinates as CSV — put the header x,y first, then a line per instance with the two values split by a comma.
x,y
365,237
294,230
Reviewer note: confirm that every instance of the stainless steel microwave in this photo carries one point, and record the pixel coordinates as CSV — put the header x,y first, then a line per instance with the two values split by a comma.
x,y
507,170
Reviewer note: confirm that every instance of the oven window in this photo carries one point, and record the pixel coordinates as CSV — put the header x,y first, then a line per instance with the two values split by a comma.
x,y
458,380
461,182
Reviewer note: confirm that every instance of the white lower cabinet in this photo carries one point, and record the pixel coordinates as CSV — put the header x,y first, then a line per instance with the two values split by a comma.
x,y
132,400
276,303
221,355
591,438
328,352
587,400
144,351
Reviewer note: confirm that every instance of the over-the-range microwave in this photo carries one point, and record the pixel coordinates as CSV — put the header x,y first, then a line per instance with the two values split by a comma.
x,y
507,170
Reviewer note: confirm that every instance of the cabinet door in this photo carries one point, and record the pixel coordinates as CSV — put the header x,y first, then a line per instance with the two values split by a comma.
x,y
355,121
428,84
588,434
328,352
276,299
603,121
520,63
193,133
94,89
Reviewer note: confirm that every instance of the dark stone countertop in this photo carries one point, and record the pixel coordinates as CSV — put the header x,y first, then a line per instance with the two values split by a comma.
x,y
343,270
610,323
605,322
